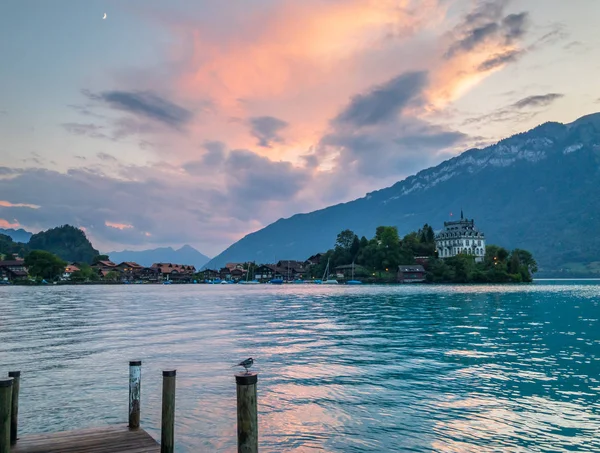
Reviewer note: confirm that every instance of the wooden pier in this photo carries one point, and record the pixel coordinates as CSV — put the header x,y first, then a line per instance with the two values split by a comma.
x,y
122,438
111,439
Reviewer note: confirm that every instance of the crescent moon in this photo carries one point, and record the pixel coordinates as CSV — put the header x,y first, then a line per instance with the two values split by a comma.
x,y
104,16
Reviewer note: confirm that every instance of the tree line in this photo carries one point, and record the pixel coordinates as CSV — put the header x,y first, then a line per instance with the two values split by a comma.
x,y
386,250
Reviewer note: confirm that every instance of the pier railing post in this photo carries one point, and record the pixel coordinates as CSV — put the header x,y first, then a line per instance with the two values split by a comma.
x,y
167,433
5,409
14,412
135,384
247,413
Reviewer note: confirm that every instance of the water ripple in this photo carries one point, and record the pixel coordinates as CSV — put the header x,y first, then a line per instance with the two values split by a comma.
x,y
346,369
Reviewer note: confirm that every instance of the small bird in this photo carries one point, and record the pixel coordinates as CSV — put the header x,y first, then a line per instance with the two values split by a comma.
x,y
245,363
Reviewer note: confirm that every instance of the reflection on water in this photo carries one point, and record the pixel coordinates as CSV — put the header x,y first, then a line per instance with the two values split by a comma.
x,y
342,369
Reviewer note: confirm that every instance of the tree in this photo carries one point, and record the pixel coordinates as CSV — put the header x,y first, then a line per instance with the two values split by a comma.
x,y
67,242
355,247
99,258
112,276
44,264
84,274
526,258
345,240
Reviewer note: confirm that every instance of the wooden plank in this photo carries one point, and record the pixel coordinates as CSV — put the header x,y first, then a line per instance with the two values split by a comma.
x,y
110,439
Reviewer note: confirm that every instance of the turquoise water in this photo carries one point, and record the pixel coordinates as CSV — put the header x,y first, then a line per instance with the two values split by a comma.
x,y
342,369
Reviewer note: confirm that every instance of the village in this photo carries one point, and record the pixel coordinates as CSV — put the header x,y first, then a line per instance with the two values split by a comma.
x,y
286,271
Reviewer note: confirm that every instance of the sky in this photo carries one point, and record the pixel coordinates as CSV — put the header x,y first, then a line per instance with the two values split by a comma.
x,y
198,122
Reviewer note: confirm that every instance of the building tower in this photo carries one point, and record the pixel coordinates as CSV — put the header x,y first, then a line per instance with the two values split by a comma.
x,y
460,236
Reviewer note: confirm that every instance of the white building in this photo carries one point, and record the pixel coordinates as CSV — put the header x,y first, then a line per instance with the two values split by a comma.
x,y
460,236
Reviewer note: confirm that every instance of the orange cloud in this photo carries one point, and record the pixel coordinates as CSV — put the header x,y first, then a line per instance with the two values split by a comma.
x,y
6,224
8,204
297,61
118,226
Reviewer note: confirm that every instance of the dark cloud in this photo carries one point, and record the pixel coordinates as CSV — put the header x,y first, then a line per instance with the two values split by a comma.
x,y
514,113
500,59
267,130
5,171
106,157
89,199
257,179
384,102
88,130
573,45
398,149
214,156
540,100
215,153
145,104
487,24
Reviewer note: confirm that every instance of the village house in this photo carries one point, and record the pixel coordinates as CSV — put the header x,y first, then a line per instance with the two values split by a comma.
x,y
225,273
290,270
13,270
314,260
413,273
66,275
174,272
345,271
209,274
264,272
102,268
129,270
232,266
238,274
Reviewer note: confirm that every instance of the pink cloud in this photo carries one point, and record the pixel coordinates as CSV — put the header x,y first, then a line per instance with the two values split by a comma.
x,y
7,224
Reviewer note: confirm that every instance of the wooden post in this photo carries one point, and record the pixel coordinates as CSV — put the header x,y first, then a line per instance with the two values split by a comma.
x,y
167,433
247,413
135,388
14,412
5,408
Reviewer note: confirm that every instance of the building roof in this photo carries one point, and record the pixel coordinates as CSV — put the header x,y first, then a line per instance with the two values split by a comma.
x,y
411,268
12,263
105,263
459,228
71,268
130,264
234,265
18,273
167,268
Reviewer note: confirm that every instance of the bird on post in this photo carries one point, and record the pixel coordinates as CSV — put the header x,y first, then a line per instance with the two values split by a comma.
x,y
245,363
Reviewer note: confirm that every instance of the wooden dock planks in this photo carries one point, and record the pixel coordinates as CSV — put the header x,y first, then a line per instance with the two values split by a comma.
x,y
109,439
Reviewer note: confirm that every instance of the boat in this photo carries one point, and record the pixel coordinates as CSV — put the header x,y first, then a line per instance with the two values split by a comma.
x,y
352,281
276,281
326,280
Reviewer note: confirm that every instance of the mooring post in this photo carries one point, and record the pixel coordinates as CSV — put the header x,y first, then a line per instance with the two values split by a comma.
x,y
247,413
5,408
167,433
135,388
14,412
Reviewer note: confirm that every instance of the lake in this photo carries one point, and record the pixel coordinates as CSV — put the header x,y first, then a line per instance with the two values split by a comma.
x,y
341,369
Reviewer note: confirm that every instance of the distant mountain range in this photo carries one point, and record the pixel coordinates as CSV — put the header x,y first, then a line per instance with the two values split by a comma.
x,y
19,235
536,190
184,255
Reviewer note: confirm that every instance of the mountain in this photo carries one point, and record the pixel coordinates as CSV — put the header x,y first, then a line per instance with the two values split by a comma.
x,y
536,190
184,255
67,242
19,235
